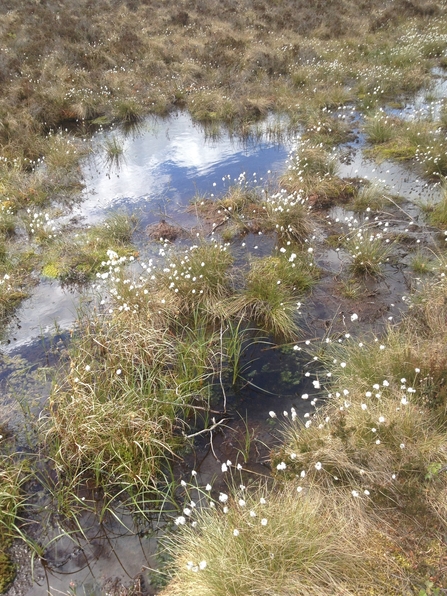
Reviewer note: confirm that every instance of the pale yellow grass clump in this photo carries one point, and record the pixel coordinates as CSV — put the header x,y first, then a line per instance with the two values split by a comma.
x,y
287,543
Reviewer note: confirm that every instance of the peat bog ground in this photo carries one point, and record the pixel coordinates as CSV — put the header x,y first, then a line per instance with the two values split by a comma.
x,y
223,298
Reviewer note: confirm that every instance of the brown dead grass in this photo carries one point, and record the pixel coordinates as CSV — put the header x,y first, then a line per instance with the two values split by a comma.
x,y
223,60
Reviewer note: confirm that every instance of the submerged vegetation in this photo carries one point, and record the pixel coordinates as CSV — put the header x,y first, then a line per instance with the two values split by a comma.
x,y
356,486
356,502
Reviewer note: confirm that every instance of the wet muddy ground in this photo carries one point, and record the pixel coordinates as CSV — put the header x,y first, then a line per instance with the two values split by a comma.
x,y
165,164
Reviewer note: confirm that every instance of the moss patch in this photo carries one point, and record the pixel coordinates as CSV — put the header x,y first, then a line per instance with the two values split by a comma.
x,y
7,571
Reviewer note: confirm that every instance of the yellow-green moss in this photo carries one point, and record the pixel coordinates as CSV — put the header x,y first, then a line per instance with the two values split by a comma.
x,y
51,270
7,571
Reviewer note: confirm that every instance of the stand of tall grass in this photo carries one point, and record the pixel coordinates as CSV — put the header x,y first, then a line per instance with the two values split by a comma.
x,y
142,369
358,502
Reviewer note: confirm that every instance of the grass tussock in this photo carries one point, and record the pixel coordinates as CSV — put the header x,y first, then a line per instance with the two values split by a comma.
x,y
389,413
199,279
273,288
282,542
312,174
78,259
370,197
116,421
421,141
244,210
288,215
413,351
368,252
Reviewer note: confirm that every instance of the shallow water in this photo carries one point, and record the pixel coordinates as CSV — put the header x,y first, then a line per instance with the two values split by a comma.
x,y
165,164
396,179
49,309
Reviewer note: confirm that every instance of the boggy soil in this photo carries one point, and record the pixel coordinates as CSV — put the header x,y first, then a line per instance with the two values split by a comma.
x,y
232,62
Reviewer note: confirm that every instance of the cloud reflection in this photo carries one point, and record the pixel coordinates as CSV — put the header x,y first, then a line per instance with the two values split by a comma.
x,y
172,158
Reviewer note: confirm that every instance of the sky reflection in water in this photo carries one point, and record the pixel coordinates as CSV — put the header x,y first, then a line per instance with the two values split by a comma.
x,y
167,163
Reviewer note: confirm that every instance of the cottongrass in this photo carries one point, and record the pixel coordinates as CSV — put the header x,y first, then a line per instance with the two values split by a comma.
x,y
385,445
368,252
381,441
198,278
413,351
287,214
282,541
358,486
309,165
421,140
116,419
381,433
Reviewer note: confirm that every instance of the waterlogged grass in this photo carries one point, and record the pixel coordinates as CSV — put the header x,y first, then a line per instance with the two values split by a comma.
x,y
78,257
368,252
244,209
422,262
72,65
13,474
421,141
141,371
281,542
272,291
370,197
327,129
357,483
358,478
16,267
113,152
312,175
116,418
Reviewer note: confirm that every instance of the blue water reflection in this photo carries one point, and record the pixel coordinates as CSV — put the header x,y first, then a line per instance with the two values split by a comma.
x,y
168,162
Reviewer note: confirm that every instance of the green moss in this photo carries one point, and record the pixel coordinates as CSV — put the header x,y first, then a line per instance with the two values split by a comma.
x,y
77,258
51,270
7,571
